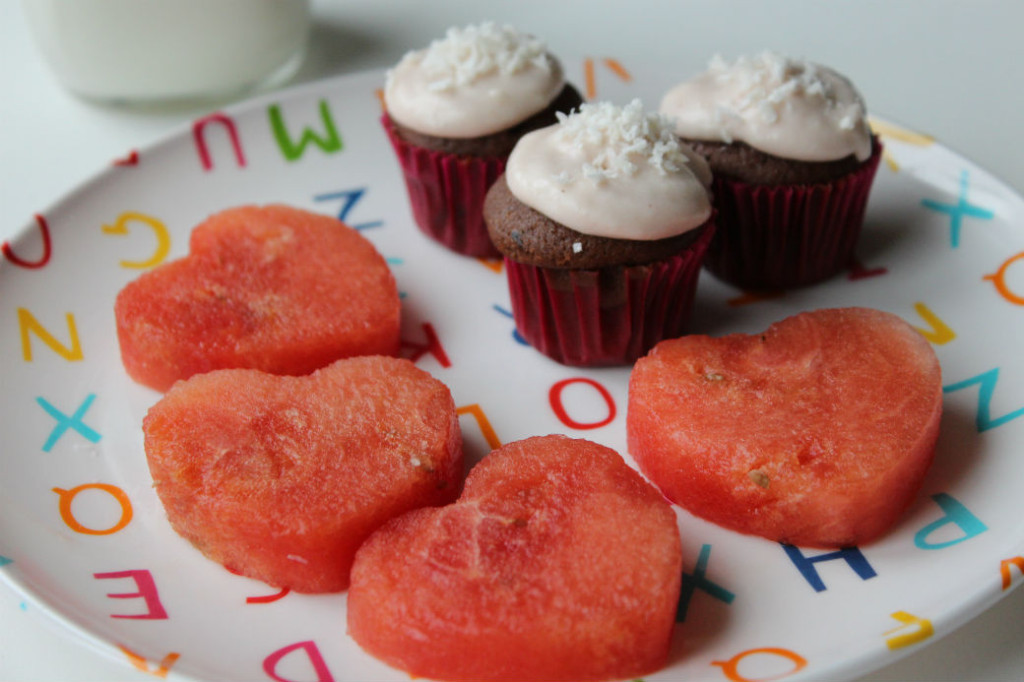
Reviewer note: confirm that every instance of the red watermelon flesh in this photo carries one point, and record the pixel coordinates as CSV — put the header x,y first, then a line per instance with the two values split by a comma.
x,y
817,432
282,478
558,562
273,288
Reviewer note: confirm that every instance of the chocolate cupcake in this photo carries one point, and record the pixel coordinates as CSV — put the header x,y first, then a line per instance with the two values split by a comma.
x,y
603,220
455,110
793,161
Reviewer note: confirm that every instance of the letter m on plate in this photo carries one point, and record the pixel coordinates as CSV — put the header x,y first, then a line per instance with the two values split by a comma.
x,y
329,141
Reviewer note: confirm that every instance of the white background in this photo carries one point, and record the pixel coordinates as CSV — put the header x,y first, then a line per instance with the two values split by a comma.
x,y
954,70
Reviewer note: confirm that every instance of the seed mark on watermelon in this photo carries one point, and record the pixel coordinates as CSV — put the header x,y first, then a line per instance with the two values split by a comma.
x,y
759,478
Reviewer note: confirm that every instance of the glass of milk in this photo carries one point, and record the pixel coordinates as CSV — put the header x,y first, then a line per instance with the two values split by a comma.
x,y
157,51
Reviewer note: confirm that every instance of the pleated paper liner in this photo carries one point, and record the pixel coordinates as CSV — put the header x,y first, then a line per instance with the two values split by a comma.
x,y
606,316
787,236
446,193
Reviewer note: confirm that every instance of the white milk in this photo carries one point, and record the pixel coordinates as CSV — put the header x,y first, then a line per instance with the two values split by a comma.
x,y
152,50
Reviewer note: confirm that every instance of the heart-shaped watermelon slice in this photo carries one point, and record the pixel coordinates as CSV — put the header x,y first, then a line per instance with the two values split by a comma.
x,y
274,288
558,562
282,478
817,432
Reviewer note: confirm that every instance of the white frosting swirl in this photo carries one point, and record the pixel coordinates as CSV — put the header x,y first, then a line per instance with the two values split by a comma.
x,y
784,107
477,80
612,172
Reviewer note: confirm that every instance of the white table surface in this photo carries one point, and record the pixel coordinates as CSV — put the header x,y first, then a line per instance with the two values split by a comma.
x,y
954,70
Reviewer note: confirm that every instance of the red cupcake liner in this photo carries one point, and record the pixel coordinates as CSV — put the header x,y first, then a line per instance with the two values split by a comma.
x,y
605,316
446,192
786,236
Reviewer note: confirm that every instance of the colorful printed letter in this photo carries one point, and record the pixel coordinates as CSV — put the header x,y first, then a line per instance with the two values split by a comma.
x,y
998,279
590,77
986,388
697,580
805,565
199,136
163,238
938,333
859,271
959,210
142,664
29,323
922,630
482,422
349,197
508,313
65,422
432,346
292,151
147,590
955,513
1004,569
269,598
766,656
68,496
323,674
555,398
47,248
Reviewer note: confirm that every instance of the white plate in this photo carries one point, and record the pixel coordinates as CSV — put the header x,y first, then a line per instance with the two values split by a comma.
x,y
942,247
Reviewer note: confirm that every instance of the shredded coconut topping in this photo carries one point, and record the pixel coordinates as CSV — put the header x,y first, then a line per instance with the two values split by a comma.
x,y
790,108
612,171
767,81
469,53
621,138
